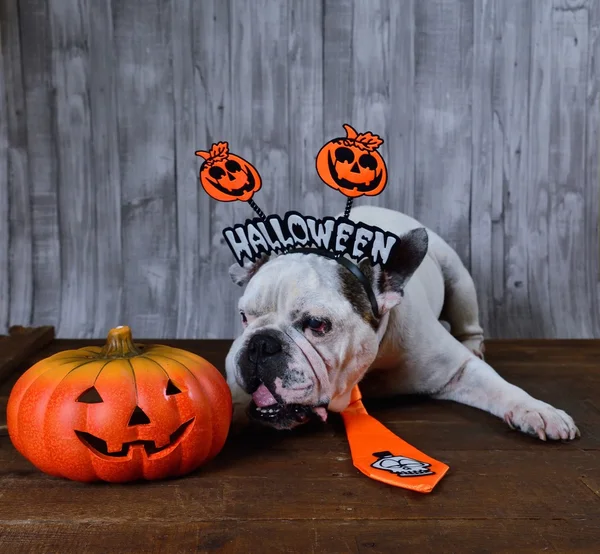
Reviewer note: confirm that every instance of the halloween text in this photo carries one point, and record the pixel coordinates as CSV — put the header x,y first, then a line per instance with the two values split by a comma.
x,y
341,236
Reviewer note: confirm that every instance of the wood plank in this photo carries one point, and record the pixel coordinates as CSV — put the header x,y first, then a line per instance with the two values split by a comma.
x,y
468,536
305,110
444,44
20,345
142,38
567,225
186,163
261,118
592,177
19,263
370,83
40,114
4,146
69,31
338,91
214,82
487,283
484,536
511,155
105,171
536,195
497,246
515,484
400,132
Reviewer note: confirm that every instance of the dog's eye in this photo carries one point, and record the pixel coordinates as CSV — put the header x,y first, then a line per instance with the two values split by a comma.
x,y
316,325
244,318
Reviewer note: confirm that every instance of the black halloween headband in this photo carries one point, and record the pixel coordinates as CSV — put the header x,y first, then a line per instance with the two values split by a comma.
x,y
351,164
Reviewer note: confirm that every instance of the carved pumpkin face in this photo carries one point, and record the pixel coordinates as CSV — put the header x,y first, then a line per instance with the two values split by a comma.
x,y
352,164
227,177
120,413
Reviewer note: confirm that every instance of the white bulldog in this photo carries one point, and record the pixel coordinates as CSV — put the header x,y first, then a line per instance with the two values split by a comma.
x,y
310,335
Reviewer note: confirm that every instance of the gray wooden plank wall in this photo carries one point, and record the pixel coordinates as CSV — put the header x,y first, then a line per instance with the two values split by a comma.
x,y
490,110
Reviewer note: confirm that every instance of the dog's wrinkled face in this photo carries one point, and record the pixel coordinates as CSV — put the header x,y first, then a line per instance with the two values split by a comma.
x,y
309,332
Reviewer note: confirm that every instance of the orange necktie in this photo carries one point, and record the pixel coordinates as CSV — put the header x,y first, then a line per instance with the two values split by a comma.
x,y
383,456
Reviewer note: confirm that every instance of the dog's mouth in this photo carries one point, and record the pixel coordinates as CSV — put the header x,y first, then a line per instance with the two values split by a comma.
x,y
265,409
286,416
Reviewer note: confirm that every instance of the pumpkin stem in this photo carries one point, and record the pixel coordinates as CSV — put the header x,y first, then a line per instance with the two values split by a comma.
x,y
119,344
204,155
350,132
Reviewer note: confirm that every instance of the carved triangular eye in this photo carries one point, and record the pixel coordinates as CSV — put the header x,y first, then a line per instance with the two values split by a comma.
x,y
90,396
171,388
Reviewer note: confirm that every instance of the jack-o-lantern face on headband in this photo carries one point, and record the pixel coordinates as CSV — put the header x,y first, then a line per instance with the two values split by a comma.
x,y
227,177
352,164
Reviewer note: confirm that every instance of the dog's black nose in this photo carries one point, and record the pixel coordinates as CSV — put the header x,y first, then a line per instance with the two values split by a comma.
x,y
262,347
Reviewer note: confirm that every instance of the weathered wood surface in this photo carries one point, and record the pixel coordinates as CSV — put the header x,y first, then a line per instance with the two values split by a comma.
x,y
298,491
490,110
39,118
4,206
105,166
16,241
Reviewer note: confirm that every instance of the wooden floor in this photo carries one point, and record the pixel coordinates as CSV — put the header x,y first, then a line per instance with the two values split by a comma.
x,y
298,491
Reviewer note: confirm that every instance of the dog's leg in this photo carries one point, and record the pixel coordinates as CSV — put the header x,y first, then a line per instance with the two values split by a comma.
x,y
437,364
477,384
461,309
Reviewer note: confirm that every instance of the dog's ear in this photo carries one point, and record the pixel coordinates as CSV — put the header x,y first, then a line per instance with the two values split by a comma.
x,y
241,275
388,281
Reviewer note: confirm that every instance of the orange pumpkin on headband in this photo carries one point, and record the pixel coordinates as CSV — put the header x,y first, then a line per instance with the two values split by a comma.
x,y
227,177
352,165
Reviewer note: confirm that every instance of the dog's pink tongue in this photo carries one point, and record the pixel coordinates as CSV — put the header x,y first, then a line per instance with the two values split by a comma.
x,y
262,397
321,412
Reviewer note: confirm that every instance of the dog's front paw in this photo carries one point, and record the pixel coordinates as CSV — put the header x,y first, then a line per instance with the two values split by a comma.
x,y
538,418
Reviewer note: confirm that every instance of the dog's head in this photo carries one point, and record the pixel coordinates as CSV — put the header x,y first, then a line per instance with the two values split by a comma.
x,y
310,332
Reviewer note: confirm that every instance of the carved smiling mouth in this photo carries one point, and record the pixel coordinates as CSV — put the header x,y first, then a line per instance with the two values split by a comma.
x,y
248,187
345,184
99,446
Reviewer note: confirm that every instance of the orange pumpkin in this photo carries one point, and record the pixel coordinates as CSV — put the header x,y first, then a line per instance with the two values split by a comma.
x,y
352,165
227,177
120,413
